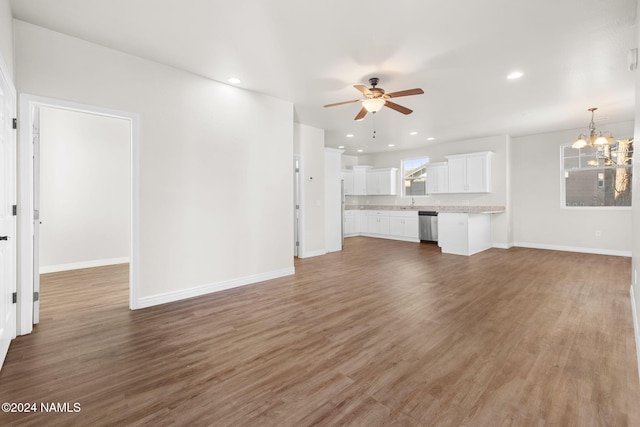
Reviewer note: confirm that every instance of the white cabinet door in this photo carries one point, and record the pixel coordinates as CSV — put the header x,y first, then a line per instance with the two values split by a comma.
x,y
396,226
437,179
457,175
387,180
373,183
350,223
382,181
361,222
384,226
477,175
360,180
347,182
373,224
470,173
410,228
377,222
403,225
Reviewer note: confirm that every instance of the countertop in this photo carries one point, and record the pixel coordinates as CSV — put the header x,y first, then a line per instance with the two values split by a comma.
x,y
436,208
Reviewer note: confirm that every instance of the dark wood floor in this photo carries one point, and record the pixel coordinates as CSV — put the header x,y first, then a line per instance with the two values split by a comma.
x,y
383,333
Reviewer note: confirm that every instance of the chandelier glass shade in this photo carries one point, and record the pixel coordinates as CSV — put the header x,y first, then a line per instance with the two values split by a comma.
x,y
593,138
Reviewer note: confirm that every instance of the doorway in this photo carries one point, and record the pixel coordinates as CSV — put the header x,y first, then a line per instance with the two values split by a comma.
x,y
83,184
82,191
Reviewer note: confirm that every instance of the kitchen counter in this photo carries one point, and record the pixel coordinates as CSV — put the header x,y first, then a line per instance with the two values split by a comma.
x,y
436,208
462,229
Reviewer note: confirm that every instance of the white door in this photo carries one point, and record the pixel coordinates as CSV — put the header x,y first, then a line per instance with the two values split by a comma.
x,y
296,205
36,214
7,217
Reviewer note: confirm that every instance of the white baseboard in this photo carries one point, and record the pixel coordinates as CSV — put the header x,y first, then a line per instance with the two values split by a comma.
x,y
83,264
383,236
574,249
502,245
211,288
636,325
310,254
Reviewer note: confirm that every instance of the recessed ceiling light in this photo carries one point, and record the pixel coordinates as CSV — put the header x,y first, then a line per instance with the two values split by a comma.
x,y
340,146
234,80
360,150
515,75
391,145
413,133
430,138
349,135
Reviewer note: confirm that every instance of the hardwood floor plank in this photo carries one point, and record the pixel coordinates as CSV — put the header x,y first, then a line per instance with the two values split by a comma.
x,y
383,333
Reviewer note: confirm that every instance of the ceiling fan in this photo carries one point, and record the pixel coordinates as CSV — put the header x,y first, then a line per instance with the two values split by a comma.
x,y
376,98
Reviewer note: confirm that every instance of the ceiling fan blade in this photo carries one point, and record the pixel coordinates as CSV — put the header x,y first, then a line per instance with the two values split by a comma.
x,y
416,91
362,88
361,114
399,108
342,103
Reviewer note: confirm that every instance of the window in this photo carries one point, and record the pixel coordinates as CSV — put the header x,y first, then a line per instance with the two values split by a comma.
x,y
598,176
414,172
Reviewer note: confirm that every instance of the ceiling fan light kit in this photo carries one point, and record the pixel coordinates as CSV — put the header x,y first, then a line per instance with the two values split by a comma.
x,y
375,98
374,105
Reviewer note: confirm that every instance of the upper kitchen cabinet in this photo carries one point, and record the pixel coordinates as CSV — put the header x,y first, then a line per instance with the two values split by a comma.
x,y
360,180
437,178
347,182
382,181
470,173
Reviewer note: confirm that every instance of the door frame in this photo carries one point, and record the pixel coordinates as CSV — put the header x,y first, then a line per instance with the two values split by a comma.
x,y
28,105
299,197
8,329
297,205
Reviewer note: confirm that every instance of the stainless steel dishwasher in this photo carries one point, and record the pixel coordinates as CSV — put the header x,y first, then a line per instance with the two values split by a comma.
x,y
428,223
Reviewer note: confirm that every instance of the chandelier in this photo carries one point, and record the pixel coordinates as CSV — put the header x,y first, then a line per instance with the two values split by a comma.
x,y
593,139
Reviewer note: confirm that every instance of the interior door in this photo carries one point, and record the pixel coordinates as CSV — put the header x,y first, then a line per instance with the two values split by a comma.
x,y
36,214
7,217
296,205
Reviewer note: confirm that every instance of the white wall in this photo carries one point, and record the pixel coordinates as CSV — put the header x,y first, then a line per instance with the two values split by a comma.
x,y
499,145
540,220
6,35
635,188
84,190
216,182
309,143
333,199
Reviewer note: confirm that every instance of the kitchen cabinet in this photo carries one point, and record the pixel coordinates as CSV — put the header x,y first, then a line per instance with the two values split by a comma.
x,y
360,180
437,178
382,181
469,173
404,226
347,182
377,222
351,226
396,225
464,233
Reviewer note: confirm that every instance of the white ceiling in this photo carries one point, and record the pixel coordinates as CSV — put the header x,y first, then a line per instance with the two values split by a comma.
x,y
573,54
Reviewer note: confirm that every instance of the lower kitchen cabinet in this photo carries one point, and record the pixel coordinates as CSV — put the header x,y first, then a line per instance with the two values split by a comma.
x,y
377,222
397,225
404,226
464,233
351,226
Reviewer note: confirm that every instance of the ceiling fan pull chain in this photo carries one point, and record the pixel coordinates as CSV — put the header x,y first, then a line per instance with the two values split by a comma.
x,y
374,126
